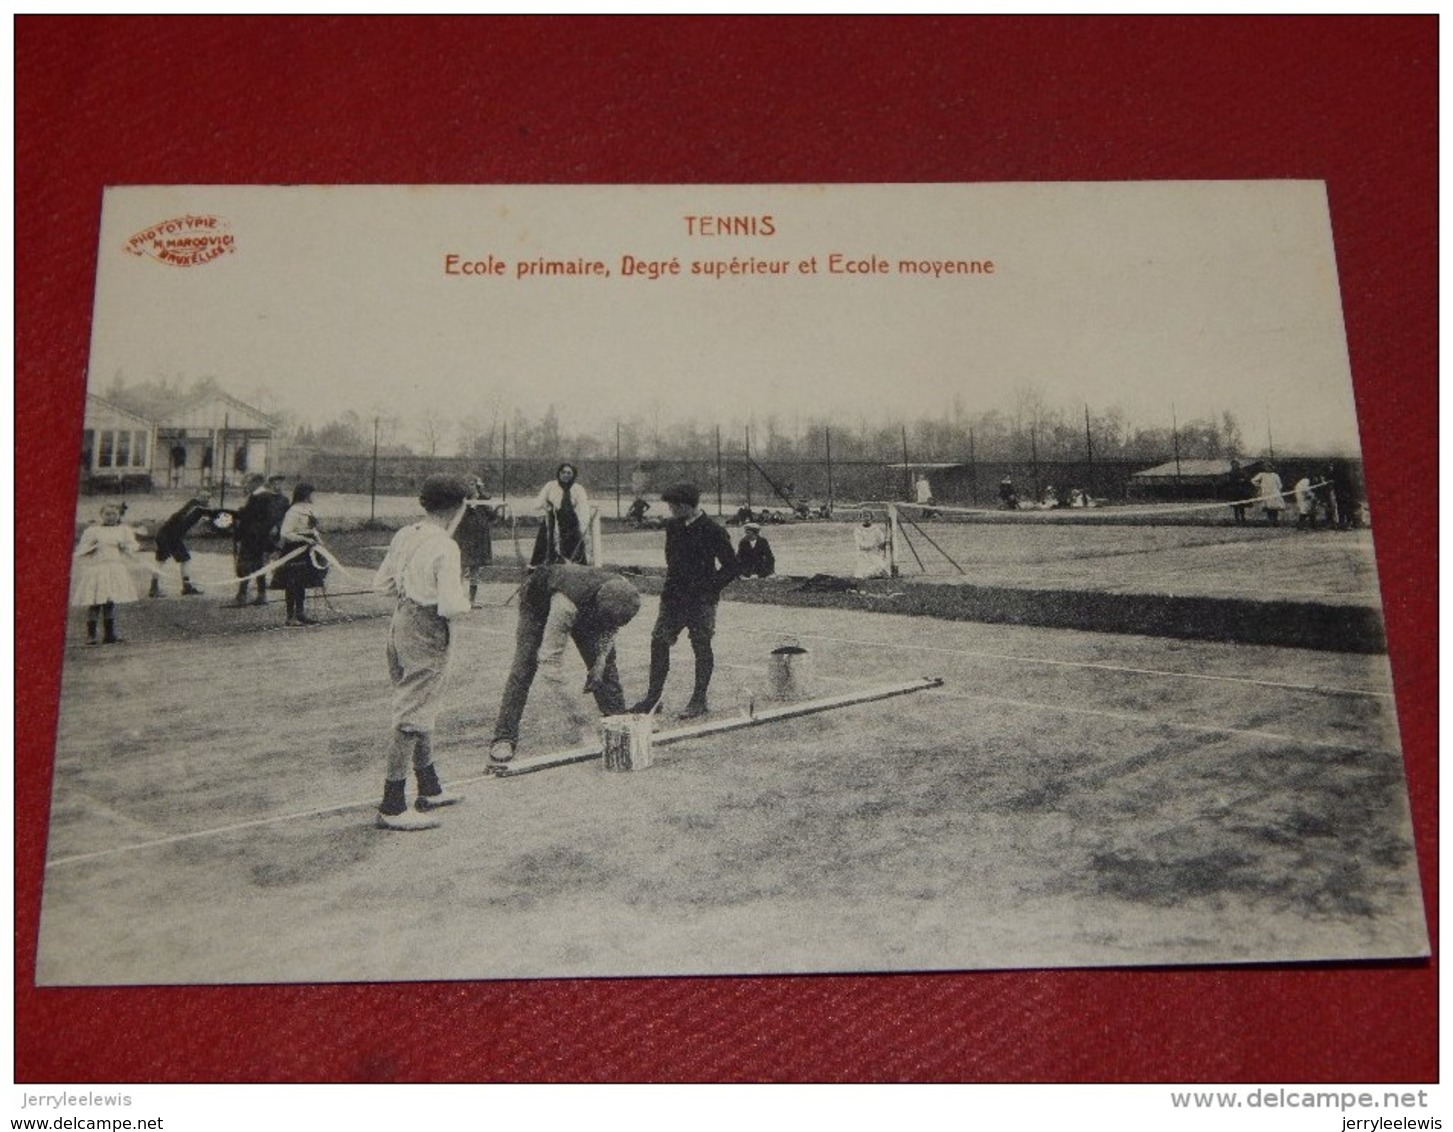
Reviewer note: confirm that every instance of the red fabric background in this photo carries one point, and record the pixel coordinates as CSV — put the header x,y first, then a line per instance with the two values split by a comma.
x,y
132,100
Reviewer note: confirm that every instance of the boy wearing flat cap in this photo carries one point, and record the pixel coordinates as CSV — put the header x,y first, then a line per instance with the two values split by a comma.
x,y
754,554
421,569
560,603
700,564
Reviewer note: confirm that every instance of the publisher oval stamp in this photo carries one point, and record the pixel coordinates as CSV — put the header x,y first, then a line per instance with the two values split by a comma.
x,y
184,241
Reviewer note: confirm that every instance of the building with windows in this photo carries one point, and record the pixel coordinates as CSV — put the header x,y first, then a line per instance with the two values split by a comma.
x,y
210,439
203,442
117,448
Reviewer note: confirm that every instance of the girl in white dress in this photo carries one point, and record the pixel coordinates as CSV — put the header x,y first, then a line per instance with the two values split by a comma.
x,y
104,557
1271,496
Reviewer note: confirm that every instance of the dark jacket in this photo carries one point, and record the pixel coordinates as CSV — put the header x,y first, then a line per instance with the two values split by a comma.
x,y
180,522
257,521
473,534
756,561
699,560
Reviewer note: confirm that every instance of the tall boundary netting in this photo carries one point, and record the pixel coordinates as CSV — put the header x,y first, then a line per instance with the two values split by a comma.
x,y
911,525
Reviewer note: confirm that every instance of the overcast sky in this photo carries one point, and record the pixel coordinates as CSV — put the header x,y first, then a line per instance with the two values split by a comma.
x,y
1209,296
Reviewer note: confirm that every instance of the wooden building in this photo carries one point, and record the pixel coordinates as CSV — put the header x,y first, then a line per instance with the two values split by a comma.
x,y
117,448
211,439
201,443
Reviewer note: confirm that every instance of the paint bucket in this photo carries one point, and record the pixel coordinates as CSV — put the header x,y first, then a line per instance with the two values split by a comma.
x,y
787,671
626,742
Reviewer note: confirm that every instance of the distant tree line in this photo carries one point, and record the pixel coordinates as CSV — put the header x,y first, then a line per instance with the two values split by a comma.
x,y
1048,435
1031,430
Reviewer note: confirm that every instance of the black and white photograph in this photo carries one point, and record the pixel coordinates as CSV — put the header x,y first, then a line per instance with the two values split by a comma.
x,y
501,582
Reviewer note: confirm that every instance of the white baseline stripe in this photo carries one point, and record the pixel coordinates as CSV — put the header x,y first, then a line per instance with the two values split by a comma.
x,y
1281,685
1124,717
1030,705
1331,690
275,819
1139,720
1150,721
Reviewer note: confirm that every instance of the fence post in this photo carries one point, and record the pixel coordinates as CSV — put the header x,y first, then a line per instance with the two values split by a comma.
x,y
907,482
373,476
747,466
827,433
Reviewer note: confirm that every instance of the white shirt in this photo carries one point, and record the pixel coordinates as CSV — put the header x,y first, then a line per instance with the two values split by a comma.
x,y
422,564
1268,484
552,494
872,543
872,538
298,524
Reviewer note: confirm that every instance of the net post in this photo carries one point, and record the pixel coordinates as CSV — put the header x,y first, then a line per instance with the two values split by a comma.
x,y
597,540
892,539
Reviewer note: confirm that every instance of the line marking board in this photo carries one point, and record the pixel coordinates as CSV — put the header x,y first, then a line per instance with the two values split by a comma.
x,y
728,723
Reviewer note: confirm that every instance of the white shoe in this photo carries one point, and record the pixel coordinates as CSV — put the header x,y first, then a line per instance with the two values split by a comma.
x,y
408,820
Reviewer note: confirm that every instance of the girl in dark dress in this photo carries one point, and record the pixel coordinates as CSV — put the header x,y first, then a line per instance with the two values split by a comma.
x,y
473,534
299,531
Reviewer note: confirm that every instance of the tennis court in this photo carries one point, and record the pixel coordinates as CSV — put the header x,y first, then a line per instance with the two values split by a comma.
x,y
1065,798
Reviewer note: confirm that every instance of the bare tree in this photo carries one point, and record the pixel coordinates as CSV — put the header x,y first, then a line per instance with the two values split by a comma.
x,y
431,428
1231,434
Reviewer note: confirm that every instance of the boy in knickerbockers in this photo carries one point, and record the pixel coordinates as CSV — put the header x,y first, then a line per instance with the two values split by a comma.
x,y
171,545
421,569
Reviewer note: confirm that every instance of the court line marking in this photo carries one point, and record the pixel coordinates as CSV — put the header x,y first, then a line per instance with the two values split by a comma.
x,y
253,823
1130,669
1323,689
1030,705
1142,720
1124,717
1280,685
1138,720
1320,689
1354,599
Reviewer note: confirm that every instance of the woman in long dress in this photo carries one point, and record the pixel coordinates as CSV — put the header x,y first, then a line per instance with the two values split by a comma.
x,y
565,511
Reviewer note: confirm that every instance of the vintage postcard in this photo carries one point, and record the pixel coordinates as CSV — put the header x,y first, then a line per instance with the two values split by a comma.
x,y
483,582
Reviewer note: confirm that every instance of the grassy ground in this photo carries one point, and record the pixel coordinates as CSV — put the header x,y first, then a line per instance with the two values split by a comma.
x,y
1066,798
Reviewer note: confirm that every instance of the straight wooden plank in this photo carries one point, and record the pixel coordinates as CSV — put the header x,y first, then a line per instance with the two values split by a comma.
x,y
726,723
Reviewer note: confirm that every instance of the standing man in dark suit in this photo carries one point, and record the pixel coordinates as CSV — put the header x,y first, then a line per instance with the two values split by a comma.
x,y
250,538
255,532
699,565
